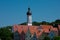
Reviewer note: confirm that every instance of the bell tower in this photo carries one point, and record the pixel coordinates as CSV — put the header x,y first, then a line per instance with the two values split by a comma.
x,y
29,17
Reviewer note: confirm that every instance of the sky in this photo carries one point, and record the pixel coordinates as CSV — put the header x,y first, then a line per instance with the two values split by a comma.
x,y
14,11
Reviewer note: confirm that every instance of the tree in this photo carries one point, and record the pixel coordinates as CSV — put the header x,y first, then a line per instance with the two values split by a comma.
x,y
57,21
36,23
57,38
41,37
44,23
5,34
46,38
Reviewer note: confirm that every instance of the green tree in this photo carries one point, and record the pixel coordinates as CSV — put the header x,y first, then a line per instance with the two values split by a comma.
x,y
36,23
55,22
44,23
5,33
46,38
57,38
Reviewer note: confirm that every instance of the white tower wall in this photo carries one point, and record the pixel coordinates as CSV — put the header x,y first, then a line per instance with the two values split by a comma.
x,y
29,20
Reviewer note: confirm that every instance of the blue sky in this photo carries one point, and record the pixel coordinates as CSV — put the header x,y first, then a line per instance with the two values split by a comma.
x,y
14,11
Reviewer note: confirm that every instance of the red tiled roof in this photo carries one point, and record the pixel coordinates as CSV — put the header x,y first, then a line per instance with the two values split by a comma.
x,y
45,28
59,27
54,29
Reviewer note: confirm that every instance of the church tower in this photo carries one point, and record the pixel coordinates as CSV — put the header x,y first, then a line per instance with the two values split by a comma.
x,y
29,17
